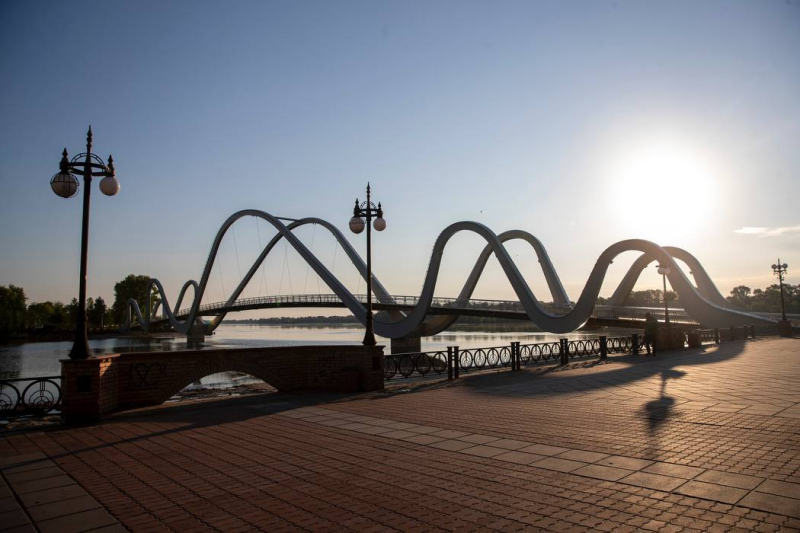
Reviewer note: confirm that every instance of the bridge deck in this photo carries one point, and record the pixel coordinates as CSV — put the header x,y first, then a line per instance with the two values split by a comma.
x,y
502,309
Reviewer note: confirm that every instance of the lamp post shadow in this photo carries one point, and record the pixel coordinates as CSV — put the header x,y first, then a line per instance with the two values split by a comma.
x,y
658,411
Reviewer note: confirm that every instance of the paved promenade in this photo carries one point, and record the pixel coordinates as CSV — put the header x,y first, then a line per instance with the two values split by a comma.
x,y
701,440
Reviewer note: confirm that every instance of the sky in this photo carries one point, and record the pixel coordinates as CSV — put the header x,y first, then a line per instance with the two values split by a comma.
x,y
583,123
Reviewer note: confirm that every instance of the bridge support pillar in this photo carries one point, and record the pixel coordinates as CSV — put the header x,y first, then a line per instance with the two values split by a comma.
x,y
196,334
406,344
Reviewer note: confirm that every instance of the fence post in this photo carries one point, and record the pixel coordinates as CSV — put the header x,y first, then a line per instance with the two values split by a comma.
x,y
753,331
457,361
563,349
717,339
733,333
603,347
635,344
449,363
518,356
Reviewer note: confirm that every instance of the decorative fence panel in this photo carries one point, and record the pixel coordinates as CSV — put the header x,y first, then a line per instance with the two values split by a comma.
x,y
30,396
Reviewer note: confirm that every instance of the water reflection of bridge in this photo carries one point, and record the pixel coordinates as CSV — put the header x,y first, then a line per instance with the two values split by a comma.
x,y
602,315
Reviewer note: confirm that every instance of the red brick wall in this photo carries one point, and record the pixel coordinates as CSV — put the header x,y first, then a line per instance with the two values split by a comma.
x,y
121,381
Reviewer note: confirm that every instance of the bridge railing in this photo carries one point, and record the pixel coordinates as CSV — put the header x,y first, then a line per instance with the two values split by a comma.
x,y
600,311
29,396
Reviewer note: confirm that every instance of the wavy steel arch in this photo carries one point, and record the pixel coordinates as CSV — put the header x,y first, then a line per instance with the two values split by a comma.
x,y
696,303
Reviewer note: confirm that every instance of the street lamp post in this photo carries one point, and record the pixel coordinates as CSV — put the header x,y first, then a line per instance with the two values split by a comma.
x,y
367,210
664,271
780,270
785,327
65,185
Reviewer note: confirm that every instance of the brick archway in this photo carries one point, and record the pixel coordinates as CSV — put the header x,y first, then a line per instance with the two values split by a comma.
x,y
114,382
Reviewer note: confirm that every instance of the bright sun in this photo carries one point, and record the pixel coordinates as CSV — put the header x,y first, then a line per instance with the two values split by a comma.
x,y
663,192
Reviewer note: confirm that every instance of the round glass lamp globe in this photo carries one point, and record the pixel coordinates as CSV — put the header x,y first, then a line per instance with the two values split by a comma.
x,y
785,266
357,224
774,266
379,224
109,186
64,184
664,271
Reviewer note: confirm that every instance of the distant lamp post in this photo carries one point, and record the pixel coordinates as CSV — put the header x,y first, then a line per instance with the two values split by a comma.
x,y
368,210
65,185
780,270
664,271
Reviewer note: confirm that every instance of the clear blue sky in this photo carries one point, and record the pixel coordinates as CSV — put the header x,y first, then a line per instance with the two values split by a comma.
x,y
581,122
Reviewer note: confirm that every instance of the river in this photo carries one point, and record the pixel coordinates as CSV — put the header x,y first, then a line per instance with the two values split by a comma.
x,y
42,358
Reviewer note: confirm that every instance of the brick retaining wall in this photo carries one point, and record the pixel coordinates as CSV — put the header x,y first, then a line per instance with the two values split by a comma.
x,y
98,385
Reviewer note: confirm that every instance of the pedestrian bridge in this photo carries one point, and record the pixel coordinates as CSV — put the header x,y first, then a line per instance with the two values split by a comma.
x,y
423,315
602,315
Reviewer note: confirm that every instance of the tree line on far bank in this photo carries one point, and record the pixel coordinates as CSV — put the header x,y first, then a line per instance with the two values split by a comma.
x,y
17,317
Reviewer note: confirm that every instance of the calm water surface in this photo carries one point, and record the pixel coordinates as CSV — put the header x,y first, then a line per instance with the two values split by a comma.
x,y
42,358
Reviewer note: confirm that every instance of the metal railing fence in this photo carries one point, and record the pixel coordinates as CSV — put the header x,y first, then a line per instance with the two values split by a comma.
x,y
29,396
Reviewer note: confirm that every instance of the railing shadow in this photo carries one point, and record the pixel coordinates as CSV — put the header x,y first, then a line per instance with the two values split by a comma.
x,y
620,370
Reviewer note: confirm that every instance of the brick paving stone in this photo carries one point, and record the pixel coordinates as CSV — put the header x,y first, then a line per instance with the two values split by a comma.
x,y
560,465
452,445
14,518
77,522
673,470
423,439
730,480
653,481
483,450
450,434
544,449
478,439
780,488
51,495
602,472
510,444
773,504
628,463
581,455
37,485
517,457
62,508
32,475
711,491
375,430
398,434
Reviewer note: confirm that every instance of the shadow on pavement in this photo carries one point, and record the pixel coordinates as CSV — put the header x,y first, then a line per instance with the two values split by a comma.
x,y
618,371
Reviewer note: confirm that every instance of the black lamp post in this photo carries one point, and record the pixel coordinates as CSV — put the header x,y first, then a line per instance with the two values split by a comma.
x,y
779,270
65,185
367,210
664,271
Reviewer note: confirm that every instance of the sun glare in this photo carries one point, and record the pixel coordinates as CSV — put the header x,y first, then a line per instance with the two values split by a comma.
x,y
662,192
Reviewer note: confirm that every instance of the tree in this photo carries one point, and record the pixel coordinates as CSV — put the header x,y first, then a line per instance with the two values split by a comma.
x,y
12,310
97,312
39,314
72,312
60,317
133,286
650,298
740,297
